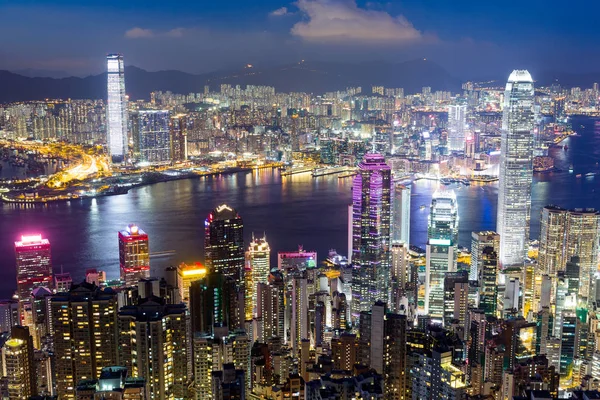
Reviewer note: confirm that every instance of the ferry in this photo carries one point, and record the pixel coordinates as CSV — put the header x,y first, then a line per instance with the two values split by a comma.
x,y
590,174
571,168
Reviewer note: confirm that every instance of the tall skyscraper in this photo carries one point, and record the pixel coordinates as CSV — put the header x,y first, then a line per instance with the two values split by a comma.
x,y
19,365
257,271
457,121
516,169
401,214
553,227
116,109
154,345
152,137
34,268
488,275
84,326
479,241
224,242
186,274
371,234
178,137
441,250
134,255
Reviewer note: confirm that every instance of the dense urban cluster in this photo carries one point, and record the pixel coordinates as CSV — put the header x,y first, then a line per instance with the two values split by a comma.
x,y
511,320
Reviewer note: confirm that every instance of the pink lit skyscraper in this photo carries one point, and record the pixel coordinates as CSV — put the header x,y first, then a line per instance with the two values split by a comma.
x,y
34,268
134,255
371,218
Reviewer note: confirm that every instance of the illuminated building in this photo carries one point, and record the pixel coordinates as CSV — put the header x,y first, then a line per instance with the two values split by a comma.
x,y
17,357
488,288
371,235
269,311
568,333
258,261
296,260
299,315
551,256
456,294
134,255
441,250
228,383
152,138
583,230
186,274
84,327
62,282
203,365
457,120
153,344
401,214
113,383
178,138
9,314
224,242
479,241
34,268
435,376
116,109
344,351
516,169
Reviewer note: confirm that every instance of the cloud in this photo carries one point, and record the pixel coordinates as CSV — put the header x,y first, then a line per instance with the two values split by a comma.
x,y
280,12
139,33
336,20
143,33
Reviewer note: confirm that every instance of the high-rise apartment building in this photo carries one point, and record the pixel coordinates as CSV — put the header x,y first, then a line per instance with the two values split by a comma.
x,y
134,255
34,268
19,364
116,109
151,130
154,345
401,214
441,250
84,326
178,138
516,169
457,121
224,242
371,233
551,258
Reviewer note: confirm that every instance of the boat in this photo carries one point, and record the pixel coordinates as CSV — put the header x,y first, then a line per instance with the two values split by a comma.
x,y
578,176
422,207
590,174
571,168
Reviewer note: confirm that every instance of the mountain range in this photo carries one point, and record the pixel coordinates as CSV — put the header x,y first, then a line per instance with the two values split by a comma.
x,y
312,77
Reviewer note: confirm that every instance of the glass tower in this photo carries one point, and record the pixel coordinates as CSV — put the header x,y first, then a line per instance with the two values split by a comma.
x,y
152,137
516,169
442,249
224,242
371,233
457,120
401,214
116,110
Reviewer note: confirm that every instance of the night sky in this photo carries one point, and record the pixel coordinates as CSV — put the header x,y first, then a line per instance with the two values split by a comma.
x,y
471,39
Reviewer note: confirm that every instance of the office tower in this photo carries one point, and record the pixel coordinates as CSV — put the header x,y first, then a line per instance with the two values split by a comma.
x,y
394,356
62,282
9,314
113,383
228,383
299,314
456,297
488,287
583,231
224,242
457,121
568,333
186,275
479,241
215,305
371,233
39,315
116,109
154,345
296,260
441,250
269,311
400,264
344,351
178,138
516,169
84,326
152,137
551,258
510,300
19,364
258,267
134,255
34,268
401,214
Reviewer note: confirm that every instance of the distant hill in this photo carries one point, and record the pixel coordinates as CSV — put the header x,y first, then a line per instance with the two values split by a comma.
x,y
312,77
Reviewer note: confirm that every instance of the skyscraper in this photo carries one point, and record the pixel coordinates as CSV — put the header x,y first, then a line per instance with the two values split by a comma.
x,y
583,230
134,255
553,225
401,214
457,120
19,364
152,137
224,242
116,109
371,236
186,274
34,268
479,241
257,271
178,137
442,249
516,169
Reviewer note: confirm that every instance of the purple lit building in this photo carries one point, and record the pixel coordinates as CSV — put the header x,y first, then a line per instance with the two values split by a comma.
x,y
371,217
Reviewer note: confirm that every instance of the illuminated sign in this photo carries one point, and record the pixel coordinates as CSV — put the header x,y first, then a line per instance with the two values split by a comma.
x,y
440,242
